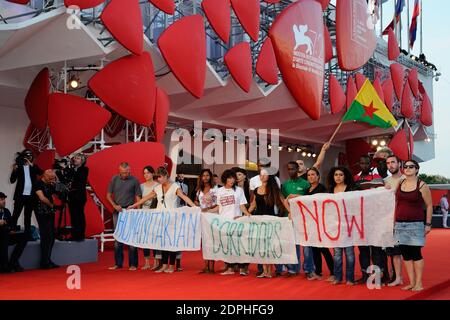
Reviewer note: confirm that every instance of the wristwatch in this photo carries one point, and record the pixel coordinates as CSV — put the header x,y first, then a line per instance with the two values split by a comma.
x,y
428,224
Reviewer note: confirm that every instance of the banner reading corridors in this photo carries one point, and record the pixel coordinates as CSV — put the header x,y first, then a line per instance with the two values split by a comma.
x,y
255,239
344,219
169,230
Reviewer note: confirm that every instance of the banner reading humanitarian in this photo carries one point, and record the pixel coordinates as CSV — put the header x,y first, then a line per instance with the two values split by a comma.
x,y
255,239
344,219
170,230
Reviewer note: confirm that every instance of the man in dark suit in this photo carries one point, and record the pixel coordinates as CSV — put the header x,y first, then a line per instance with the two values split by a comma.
x,y
25,173
7,238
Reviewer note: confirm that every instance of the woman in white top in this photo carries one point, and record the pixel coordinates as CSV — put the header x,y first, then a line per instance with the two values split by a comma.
x,y
146,188
166,193
206,198
231,203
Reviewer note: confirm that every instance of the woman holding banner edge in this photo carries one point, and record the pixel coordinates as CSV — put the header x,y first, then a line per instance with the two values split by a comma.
x,y
316,187
206,198
167,194
411,224
340,180
147,187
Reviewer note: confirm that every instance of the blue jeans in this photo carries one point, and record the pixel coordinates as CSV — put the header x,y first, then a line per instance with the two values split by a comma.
x,y
308,263
349,263
295,268
132,255
278,268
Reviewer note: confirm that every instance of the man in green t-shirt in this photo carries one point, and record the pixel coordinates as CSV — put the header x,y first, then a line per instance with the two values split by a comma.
x,y
294,187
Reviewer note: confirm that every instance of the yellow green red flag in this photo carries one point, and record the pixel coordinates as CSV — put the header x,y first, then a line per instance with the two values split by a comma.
x,y
368,107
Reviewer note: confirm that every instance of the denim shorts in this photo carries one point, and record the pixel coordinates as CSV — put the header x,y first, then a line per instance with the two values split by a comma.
x,y
410,233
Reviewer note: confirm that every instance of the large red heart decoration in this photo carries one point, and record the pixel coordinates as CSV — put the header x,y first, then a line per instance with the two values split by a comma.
x,y
297,35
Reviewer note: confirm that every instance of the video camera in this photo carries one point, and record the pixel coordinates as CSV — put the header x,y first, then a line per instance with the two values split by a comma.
x,y
22,158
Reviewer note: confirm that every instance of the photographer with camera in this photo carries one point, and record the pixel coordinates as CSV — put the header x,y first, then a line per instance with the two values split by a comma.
x,y
77,196
25,173
45,214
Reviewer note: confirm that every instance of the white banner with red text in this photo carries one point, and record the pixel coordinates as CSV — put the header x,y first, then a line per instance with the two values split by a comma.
x,y
344,219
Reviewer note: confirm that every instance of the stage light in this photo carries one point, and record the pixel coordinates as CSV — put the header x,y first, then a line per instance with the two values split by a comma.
x,y
290,149
375,142
427,140
309,155
280,148
379,148
383,143
314,155
74,82
226,139
269,146
298,149
304,154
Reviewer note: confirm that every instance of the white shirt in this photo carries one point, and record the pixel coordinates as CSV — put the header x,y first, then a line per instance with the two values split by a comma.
x,y
145,191
170,197
209,199
229,201
27,186
444,204
255,182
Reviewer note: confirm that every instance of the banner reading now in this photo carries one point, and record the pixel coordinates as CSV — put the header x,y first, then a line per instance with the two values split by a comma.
x,y
169,230
255,239
344,219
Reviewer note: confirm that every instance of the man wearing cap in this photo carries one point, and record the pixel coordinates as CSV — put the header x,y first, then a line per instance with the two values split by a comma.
x,y
7,238
25,172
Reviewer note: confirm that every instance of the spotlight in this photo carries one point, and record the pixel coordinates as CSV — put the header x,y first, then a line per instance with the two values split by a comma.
x,y
290,149
375,142
269,146
314,155
379,148
74,82
309,155
298,149
280,148
427,140
383,143
303,154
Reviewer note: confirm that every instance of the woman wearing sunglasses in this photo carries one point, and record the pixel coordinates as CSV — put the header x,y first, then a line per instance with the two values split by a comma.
x,y
411,223
167,194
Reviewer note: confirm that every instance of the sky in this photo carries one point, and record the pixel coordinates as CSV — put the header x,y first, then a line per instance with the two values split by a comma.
x,y
436,47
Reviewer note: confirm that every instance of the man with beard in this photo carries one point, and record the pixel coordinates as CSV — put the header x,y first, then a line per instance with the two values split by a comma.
x,y
393,165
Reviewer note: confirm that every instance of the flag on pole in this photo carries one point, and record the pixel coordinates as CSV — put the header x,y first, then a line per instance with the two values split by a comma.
x,y
368,107
399,5
413,27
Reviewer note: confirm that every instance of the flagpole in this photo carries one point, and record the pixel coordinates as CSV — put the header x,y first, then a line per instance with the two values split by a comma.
x,y
421,43
381,19
409,35
335,131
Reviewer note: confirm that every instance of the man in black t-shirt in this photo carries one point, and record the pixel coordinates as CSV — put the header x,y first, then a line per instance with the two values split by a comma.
x,y
45,215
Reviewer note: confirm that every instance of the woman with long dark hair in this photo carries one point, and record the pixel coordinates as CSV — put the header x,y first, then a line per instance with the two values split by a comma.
x,y
206,198
267,197
167,194
411,223
147,187
316,187
340,180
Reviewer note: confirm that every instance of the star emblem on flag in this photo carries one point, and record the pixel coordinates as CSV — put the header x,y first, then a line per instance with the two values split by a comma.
x,y
369,110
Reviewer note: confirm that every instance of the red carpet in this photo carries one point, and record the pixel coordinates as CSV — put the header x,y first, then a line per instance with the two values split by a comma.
x,y
99,283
